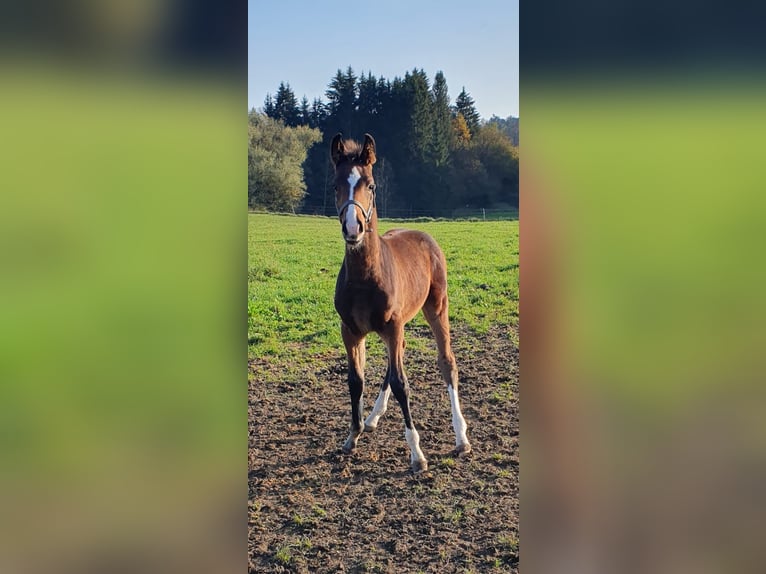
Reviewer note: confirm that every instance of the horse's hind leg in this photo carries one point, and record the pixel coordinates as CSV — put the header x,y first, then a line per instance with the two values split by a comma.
x,y
436,313
355,349
381,405
394,340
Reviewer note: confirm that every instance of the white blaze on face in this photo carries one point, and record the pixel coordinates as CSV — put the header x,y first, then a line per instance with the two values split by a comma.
x,y
352,227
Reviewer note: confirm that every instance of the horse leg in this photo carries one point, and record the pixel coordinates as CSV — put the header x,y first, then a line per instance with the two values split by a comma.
x,y
381,405
397,380
436,313
355,350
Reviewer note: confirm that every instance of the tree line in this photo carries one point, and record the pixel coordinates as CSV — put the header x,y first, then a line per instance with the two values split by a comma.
x,y
435,157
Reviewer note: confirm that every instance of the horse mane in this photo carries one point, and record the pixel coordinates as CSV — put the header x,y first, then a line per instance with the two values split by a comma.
x,y
352,149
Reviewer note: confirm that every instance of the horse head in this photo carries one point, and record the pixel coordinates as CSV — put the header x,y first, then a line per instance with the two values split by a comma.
x,y
354,186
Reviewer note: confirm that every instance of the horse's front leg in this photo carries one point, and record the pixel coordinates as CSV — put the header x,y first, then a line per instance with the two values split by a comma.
x,y
381,406
355,350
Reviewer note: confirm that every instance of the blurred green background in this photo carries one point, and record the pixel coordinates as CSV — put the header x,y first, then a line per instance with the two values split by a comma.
x,y
123,229
649,193
657,190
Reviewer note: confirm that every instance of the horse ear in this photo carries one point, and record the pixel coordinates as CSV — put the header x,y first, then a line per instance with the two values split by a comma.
x,y
368,150
336,148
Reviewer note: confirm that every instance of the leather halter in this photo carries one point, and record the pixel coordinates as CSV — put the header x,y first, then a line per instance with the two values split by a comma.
x,y
367,213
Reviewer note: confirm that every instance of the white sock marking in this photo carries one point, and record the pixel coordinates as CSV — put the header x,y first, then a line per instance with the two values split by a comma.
x,y
413,440
352,228
458,422
381,405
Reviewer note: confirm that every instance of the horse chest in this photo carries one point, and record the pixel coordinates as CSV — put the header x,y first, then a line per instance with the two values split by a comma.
x,y
364,308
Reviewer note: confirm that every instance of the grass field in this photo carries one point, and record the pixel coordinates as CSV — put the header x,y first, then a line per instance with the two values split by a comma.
x,y
293,263
312,508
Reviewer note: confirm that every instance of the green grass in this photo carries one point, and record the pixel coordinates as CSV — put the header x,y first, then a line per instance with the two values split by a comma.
x,y
283,555
503,393
319,511
447,462
293,262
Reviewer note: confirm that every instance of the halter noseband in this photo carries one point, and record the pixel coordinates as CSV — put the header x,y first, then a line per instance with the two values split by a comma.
x,y
367,213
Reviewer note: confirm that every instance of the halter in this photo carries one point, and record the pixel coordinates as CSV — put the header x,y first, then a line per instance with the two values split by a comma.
x,y
367,214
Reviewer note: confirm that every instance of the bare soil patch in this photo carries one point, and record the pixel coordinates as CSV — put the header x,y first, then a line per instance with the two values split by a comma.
x,y
314,509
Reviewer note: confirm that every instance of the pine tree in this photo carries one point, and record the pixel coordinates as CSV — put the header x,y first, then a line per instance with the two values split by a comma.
x,y
465,105
420,114
305,112
418,169
432,158
268,107
367,99
286,105
368,103
318,114
442,121
341,95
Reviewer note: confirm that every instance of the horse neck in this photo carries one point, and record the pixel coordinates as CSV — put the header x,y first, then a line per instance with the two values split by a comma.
x,y
363,262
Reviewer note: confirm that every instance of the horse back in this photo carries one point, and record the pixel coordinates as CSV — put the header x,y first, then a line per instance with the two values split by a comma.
x,y
416,250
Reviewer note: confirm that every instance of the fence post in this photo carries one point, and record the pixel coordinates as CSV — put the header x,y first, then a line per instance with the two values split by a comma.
x,y
483,214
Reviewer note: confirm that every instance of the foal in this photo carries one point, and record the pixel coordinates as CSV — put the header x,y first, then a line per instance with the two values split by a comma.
x,y
382,284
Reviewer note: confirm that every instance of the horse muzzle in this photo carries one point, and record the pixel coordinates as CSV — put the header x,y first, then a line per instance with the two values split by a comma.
x,y
352,227
353,238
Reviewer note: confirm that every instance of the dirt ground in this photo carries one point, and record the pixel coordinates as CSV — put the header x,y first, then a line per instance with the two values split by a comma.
x,y
314,509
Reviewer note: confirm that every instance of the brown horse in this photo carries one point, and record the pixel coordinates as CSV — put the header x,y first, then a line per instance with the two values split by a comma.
x,y
382,284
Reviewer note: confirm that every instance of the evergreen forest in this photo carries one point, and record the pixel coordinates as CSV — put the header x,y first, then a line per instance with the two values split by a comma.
x,y
436,157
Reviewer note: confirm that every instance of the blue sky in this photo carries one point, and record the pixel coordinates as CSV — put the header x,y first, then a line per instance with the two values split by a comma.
x,y
304,42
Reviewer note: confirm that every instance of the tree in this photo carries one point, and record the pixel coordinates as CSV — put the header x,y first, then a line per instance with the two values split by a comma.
x,y
275,156
509,126
305,112
268,107
442,122
465,105
369,104
461,133
432,158
420,133
341,95
500,158
286,106
318,114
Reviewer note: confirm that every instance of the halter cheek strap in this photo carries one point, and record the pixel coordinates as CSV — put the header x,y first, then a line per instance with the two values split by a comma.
x,y
367,213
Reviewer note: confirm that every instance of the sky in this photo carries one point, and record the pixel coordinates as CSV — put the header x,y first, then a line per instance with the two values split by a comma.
x,y
305,42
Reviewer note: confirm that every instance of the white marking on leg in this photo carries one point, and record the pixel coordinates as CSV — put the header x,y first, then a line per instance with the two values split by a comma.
x,y
381,405
352,228
458,422
413,440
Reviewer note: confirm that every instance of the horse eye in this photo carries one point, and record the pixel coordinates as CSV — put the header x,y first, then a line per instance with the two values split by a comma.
x,y
372,187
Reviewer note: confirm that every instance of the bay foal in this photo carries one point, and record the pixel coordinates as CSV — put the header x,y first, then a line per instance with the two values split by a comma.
x,y
382,284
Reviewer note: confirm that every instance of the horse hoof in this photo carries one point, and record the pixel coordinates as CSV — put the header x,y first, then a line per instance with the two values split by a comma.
x,y
368,428
348,448
463,449
419,466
